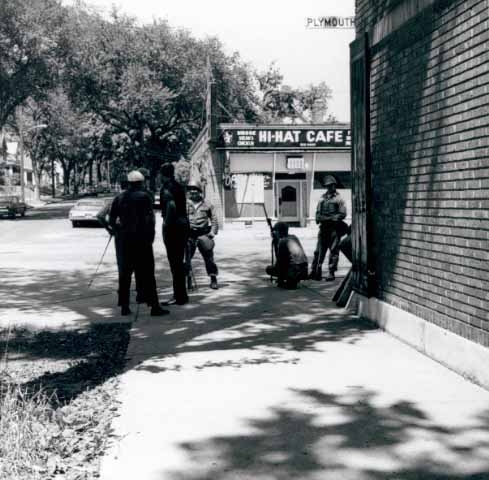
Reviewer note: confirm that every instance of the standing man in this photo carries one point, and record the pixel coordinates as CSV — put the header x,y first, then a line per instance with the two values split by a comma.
x,y
203,228
132,221
291,265
330,212
175,225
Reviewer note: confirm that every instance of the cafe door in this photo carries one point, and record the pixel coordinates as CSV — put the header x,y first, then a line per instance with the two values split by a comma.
x,y
289,200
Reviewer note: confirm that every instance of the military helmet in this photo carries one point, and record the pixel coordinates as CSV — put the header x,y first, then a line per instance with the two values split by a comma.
x,y
281,228
194,185
135,176
329,180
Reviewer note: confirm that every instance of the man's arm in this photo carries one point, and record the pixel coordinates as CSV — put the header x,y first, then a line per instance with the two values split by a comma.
x,y
318,211
341,210
168,207
214,222
114,214
102,217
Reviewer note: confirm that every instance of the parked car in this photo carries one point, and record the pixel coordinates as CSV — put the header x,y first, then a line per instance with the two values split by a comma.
x,y
11,206
85,211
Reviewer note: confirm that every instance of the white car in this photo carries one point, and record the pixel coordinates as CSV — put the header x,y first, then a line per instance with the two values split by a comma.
x,y
86,210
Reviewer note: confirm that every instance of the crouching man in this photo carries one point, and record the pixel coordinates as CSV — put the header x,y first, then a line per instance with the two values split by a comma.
x,y
291,265
203,228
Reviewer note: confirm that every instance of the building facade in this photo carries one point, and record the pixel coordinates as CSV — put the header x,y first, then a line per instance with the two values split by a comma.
x,y
254,171
420,98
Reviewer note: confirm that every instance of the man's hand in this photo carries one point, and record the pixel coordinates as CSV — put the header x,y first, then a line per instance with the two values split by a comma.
x,y
210,235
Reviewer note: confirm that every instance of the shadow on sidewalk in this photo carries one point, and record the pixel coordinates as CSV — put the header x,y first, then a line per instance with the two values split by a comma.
x,y
247,312
342,437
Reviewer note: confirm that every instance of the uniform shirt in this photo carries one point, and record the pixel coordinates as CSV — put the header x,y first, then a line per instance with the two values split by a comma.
x,y
331,207
173,203
131,215
200,214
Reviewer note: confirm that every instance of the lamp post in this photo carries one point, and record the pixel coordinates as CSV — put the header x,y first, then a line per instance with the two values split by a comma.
x,y
21,148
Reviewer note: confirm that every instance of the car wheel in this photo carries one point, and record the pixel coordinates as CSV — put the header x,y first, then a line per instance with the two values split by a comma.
x,y
74,224
11,215
22,214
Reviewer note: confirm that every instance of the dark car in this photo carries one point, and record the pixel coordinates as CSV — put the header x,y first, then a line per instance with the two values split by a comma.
x,y
11,206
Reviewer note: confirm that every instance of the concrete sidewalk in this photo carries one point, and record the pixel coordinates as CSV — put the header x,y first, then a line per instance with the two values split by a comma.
x,y
253,382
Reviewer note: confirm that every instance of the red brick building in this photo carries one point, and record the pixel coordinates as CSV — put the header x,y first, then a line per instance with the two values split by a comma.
x,y
420,104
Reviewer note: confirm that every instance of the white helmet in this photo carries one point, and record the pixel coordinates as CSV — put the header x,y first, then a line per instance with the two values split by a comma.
x,y
135,176
194,185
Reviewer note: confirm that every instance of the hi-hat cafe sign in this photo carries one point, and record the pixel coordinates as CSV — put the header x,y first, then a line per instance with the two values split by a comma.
x,y
281,138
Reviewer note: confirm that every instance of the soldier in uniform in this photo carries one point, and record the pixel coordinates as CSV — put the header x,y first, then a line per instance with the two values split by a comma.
x,y
175,226
203,228
291,265
132,220
330,212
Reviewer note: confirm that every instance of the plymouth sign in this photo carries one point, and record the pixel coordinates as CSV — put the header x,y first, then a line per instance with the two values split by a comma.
x,y
284,138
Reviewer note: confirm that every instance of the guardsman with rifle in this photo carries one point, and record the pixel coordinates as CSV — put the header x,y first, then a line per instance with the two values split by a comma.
x,y
132,219
330,212
291,265
203,228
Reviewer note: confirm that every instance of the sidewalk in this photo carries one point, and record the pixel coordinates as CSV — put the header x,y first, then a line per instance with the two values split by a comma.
x,y
253,382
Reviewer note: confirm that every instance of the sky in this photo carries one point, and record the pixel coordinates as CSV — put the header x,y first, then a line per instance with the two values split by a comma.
x,y
265,31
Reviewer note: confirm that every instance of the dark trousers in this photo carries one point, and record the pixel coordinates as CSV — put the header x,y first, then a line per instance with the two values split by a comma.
x,y
291,277
206,249
175,239
136,256
137,272
328,239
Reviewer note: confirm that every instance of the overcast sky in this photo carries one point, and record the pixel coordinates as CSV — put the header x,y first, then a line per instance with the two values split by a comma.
x,y
264,31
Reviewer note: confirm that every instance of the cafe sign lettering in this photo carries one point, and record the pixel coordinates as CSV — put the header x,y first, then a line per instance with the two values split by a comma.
x,y
284,138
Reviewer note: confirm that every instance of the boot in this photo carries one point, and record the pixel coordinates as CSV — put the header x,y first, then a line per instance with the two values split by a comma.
x,y
213,284
157,311
330,277
315,276
125,310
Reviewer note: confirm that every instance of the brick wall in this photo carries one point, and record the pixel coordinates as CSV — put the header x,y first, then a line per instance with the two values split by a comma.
x,y
429,101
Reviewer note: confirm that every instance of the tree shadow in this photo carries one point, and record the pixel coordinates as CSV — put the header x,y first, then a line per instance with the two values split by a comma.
x,y
94,355
342,436
248,313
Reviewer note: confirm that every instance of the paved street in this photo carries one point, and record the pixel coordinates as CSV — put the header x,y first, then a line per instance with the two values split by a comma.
x,y
249,382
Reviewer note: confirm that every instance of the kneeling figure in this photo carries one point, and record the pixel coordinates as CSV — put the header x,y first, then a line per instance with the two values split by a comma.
x,y
291,265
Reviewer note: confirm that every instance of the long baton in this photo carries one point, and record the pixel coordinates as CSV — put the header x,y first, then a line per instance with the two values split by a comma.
x,y
99,263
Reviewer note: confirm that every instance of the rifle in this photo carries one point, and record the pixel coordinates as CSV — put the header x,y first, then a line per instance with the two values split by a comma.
x,y
269,222
189,273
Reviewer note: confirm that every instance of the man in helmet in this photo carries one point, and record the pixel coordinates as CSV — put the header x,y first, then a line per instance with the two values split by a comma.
x,y
291,265
330,212
203,228
132,219
175,225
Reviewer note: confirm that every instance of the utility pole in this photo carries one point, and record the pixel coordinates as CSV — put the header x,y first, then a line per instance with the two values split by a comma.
x,y
53,185
21,148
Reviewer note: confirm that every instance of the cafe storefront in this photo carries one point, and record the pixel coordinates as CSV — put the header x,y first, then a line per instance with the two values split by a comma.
x,y
250,171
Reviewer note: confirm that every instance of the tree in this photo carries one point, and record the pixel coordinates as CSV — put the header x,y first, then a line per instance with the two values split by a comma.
x,y
148,84
279,102
29,51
